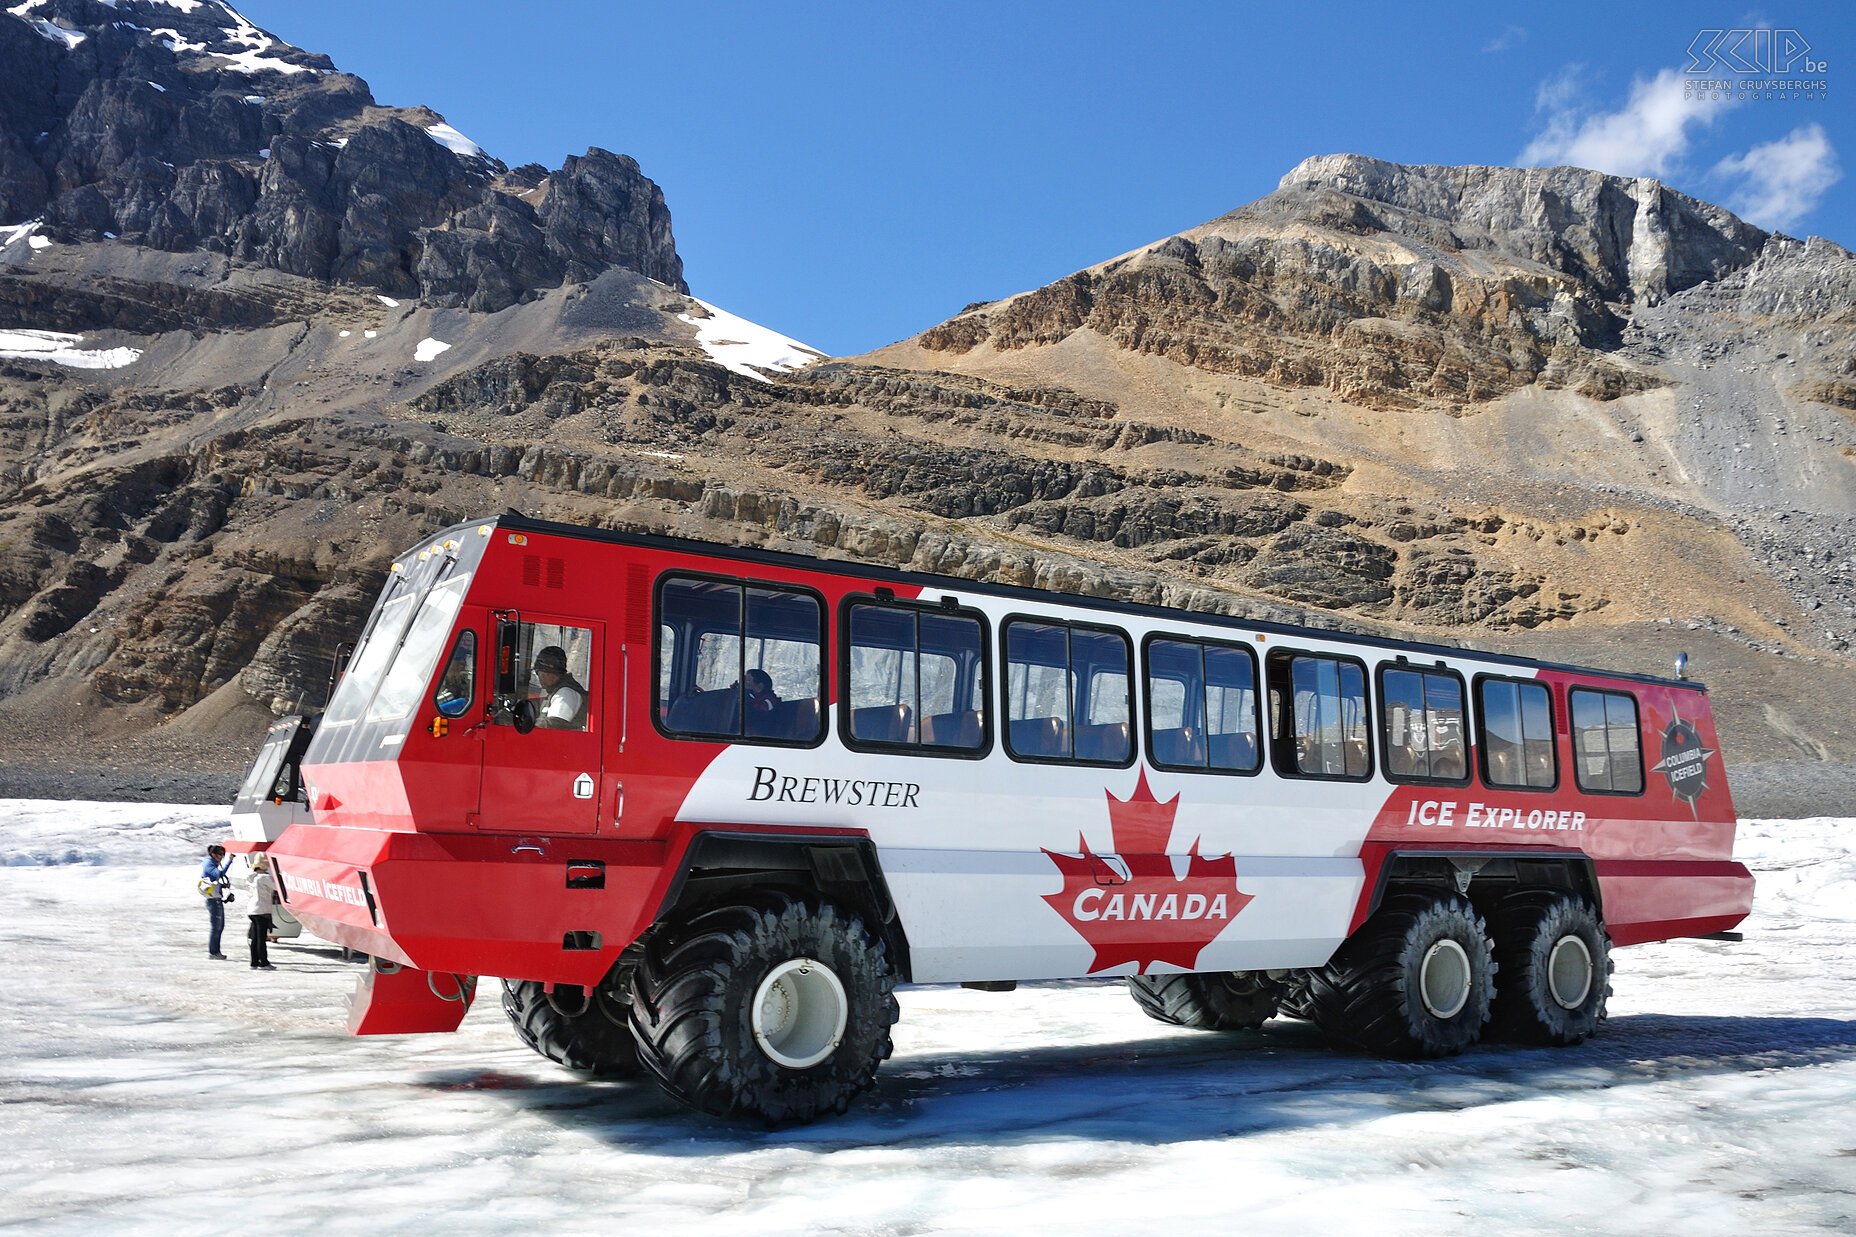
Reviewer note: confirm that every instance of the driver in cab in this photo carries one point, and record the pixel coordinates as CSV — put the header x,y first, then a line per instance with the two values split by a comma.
x,y
563,699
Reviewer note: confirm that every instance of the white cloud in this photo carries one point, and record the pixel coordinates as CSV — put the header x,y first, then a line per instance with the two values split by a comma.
x,y
1512,36
1560,92
1644,138
1778,183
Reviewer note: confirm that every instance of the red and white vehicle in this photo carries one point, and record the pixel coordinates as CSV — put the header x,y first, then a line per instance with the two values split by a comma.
x,y
553,759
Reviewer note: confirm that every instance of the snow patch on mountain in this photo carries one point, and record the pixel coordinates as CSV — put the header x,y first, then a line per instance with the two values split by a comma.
x,y
747,348
51,31
454,141
257,43
61,349
174,42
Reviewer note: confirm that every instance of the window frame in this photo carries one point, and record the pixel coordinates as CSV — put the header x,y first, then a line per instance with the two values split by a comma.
x,y
529,642
1258,691
848,736
1283,755
660,723
1443,671
463,632
1070,627
1482,747
1572,738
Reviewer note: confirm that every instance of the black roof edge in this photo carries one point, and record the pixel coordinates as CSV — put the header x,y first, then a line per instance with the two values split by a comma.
x,y
514,520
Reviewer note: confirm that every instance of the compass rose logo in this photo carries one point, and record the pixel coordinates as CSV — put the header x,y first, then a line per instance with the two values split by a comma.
x,y
1685,761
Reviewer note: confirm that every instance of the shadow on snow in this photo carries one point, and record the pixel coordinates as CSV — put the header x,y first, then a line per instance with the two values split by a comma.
x,y
1180,1087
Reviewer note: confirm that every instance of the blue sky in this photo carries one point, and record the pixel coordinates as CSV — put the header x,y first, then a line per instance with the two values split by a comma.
x,y
853,173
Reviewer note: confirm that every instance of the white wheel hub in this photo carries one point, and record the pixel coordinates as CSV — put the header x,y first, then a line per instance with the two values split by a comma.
x,y
799,1013
1569,972
1444,979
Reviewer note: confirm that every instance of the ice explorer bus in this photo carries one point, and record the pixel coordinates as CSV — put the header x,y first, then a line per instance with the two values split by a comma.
x,y
700,809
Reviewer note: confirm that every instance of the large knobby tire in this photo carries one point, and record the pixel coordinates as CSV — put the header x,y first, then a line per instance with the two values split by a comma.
x,y
593,1036
1294,1003
1415,981
1221,1001
778,1008
1555,961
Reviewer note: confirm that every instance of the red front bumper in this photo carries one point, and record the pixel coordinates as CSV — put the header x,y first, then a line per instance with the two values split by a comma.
x,y
554,909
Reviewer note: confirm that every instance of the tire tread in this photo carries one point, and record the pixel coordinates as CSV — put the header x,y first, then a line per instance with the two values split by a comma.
x,y
1202,1002
1363,995
590,1043
1523,1012
691,988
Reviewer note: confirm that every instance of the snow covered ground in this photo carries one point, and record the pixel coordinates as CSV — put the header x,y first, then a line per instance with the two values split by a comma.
x,y
144,1088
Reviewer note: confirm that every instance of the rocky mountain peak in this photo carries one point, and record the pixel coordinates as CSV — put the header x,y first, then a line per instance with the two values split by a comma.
x,y
177,125
1630,238
1454,400
1395,286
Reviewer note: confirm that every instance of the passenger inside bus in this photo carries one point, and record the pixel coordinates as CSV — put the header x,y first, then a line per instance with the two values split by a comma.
x,y
761,698
738,661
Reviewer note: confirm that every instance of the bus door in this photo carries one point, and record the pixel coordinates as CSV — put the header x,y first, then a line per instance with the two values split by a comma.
x,y
541,749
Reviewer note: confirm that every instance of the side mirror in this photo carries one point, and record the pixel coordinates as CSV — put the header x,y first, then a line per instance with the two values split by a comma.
x,y
1681,665
508,674
525,715
508,638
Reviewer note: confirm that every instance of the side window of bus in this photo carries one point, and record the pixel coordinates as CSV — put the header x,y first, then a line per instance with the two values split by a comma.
x,y
457,684
1202,701
1516,732
1606,753
1320,724
739,661
907,670
1067,693
666,658
1421,725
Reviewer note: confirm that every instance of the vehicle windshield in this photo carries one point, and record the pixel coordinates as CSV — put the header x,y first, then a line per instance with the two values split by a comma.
x,y
391,668
264,770
369,662
418,656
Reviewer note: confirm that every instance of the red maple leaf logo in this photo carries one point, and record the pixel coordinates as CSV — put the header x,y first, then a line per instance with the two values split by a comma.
x,y
1130,904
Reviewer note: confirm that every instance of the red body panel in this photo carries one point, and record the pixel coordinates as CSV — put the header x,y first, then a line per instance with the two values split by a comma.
x,y
397,1000
1663,862
474,905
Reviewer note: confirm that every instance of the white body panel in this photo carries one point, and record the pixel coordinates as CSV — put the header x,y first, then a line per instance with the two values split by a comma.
x,y
967,845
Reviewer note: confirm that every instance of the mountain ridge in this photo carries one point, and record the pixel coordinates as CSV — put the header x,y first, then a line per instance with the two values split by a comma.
x,y
203,132
1539,410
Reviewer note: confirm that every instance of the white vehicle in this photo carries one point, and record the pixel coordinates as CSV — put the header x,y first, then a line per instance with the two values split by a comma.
x,y
269,801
